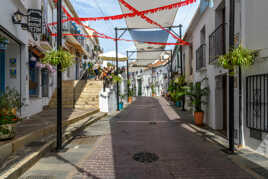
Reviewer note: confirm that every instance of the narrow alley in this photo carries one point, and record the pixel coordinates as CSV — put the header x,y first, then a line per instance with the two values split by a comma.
x,y
107,149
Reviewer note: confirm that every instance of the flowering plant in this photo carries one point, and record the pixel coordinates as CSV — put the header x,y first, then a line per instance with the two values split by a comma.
x,y
8,119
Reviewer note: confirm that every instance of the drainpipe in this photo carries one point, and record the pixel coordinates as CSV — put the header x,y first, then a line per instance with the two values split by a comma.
x,y
59,77
183,99
231,78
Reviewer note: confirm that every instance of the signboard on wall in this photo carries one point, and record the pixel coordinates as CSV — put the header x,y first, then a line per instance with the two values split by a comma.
x,y
34,21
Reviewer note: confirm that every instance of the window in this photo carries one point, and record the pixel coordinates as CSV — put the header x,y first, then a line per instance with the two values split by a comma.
x,y
33,75
203,35
257,102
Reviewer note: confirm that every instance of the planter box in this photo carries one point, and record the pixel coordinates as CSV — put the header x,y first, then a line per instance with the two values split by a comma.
x,y
7,131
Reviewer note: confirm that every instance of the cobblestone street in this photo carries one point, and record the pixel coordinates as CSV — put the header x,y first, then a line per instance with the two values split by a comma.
x,y
106,149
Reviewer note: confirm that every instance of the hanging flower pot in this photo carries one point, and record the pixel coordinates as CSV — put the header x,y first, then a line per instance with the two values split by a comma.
x,y
59,57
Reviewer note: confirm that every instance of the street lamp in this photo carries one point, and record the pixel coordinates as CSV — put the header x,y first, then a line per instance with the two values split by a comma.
x,y
17,18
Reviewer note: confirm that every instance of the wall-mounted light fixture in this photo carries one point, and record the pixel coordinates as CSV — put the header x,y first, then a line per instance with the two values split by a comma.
x,y
19,18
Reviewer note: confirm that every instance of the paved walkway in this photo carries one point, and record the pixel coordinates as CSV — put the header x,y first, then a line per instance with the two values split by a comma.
x,y
105,150
44,119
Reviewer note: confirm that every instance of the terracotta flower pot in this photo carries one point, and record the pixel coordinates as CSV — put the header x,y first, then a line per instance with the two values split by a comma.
x,y
153,94
130,99
7,131
198,118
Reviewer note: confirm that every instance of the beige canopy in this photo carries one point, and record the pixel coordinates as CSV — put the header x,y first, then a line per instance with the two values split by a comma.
x,y
111,56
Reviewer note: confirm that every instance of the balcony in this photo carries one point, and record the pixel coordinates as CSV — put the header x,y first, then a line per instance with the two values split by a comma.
x,y
201,57
217,43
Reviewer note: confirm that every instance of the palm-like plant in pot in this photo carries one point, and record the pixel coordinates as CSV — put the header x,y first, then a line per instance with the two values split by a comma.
x,y
197,93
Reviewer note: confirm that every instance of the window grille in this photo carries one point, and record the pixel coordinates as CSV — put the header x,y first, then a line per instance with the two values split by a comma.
x,y
257,102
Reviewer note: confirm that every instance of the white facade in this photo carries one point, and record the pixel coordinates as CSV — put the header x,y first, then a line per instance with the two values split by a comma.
x,y
251,31
23,47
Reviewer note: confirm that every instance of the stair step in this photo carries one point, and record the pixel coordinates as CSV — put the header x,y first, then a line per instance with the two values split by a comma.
x,y
24,158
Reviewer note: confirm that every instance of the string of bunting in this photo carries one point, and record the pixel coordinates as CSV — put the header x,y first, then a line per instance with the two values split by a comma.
x,y
150,21
130,15
136,12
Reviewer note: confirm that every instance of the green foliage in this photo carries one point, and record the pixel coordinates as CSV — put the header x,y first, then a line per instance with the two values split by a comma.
x,y
11,99
176,88
196,93
240,56
153,88
3,39
116,78
56,57
122,96
131,92
8,119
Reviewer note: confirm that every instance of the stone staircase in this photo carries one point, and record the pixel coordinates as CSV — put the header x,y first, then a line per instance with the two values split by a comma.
x,y
79,94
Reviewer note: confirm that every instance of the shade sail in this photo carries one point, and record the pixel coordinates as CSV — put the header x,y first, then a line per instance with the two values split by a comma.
x,y
111,56
149,35
164,18
153,33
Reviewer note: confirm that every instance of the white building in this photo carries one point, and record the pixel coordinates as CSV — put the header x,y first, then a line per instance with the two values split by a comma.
x,y
21,66
208,34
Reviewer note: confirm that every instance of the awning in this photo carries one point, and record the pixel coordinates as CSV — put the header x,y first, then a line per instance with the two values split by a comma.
x,y
111,56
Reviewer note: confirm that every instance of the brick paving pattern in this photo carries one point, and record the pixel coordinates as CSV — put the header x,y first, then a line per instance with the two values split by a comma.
x,y
44,119
182,154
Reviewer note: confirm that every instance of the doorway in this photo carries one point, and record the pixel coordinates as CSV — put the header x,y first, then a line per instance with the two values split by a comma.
x,y
45,82
224,106
221,104
2,72
139,87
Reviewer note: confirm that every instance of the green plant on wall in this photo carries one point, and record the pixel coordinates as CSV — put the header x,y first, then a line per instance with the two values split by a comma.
x,y
56,57
239,56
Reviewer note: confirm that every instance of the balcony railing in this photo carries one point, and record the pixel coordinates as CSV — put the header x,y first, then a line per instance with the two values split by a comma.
x,y
201,57
217,43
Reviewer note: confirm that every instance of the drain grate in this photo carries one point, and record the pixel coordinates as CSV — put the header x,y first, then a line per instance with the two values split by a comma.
x,y
145,157
152,123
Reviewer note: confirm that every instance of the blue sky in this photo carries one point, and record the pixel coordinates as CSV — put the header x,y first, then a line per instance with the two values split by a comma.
x,y
97,8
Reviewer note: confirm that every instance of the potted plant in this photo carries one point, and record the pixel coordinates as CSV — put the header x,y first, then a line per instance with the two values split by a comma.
x,y
59,57
196,93
10,101
153,89
238,57
179,90
121,103
130,95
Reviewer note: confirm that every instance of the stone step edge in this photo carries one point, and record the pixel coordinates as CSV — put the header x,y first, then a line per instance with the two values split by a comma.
x,y
12,147
21,167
